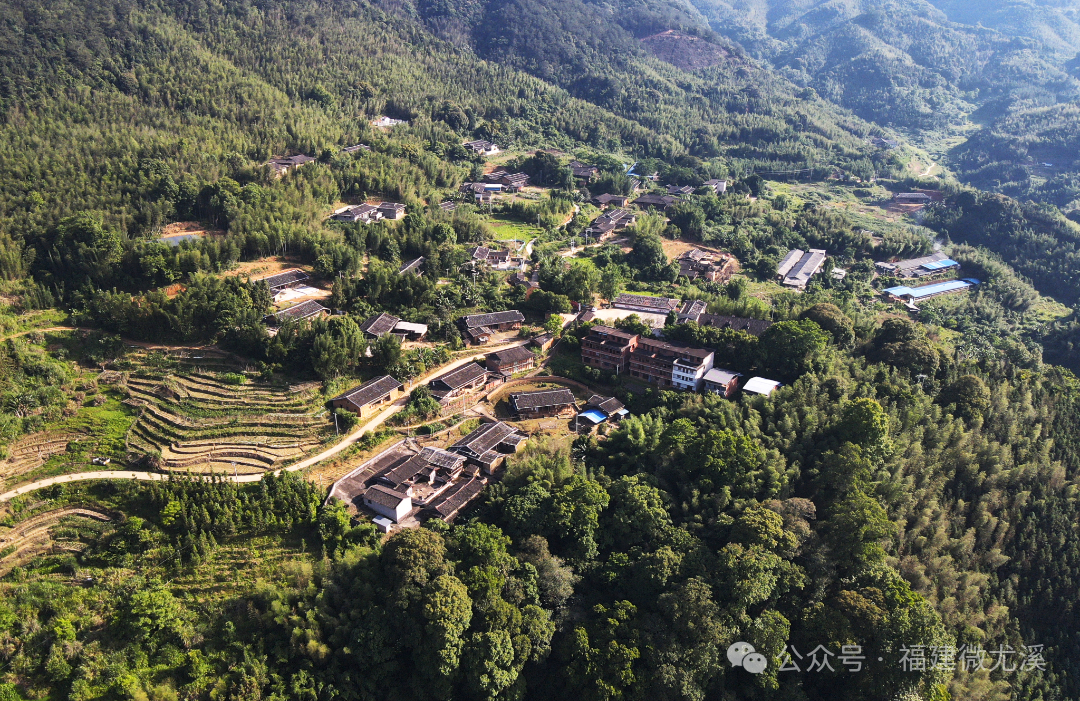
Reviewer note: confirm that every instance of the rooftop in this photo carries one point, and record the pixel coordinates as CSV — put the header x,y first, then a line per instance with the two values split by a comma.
x,y
485,438
301,311
371,391
378,325
721,376
462,376
516,354
285,277
510,316
384,496
542,399
413,264
930,290
760,385
608,405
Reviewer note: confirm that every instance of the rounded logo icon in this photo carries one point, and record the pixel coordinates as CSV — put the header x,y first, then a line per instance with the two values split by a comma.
x,y
755,663
737,652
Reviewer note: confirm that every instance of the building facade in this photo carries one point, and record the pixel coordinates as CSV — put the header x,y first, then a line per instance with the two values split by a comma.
x,y
608,349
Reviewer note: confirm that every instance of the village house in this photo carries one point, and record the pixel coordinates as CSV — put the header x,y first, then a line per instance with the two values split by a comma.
x,y
384,501
582,171
458,498
722,382
392,210
368,398
530,282
718,187
410,331
692,311
646,303
680,190
619,201
283,164
379,325
489,444
610,221
412,267
475,326
424,476
661,202
608,349
612,407
309,309
542,343
513,182
482,147
458,383
356,148
362,213
798,266
543,403
509,361
714,267
284,280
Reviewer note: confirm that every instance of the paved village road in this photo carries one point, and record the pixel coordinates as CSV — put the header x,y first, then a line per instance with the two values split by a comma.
x,y
349,440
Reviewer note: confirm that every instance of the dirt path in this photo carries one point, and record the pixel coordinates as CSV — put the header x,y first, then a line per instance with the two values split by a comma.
x,y
45,330
349,440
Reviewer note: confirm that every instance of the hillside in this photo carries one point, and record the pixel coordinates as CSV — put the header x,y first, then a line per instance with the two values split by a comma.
x,y
926,68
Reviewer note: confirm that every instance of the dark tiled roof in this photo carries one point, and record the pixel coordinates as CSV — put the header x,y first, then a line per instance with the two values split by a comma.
x,y
508,317
380,324
462,376
459,498
754,327
608,405
517,354
286,277
413,264
391,206
424,461
301,311
371,390
479,252
484,438
384,496
661,201
542,399
541,340
660,304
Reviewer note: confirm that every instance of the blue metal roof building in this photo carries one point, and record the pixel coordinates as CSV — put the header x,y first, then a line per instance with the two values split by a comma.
x,y
927,291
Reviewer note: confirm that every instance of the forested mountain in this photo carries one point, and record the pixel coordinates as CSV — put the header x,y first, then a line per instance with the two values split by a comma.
x,y
908,497
917,66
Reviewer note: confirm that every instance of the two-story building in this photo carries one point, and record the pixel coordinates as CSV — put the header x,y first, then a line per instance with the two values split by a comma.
x,y
509,361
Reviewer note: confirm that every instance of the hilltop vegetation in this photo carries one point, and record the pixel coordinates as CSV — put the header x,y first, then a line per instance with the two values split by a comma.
x,y
913,485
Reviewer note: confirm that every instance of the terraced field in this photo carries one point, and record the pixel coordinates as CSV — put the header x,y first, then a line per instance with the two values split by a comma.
x,y
56,531
191,420
31,452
